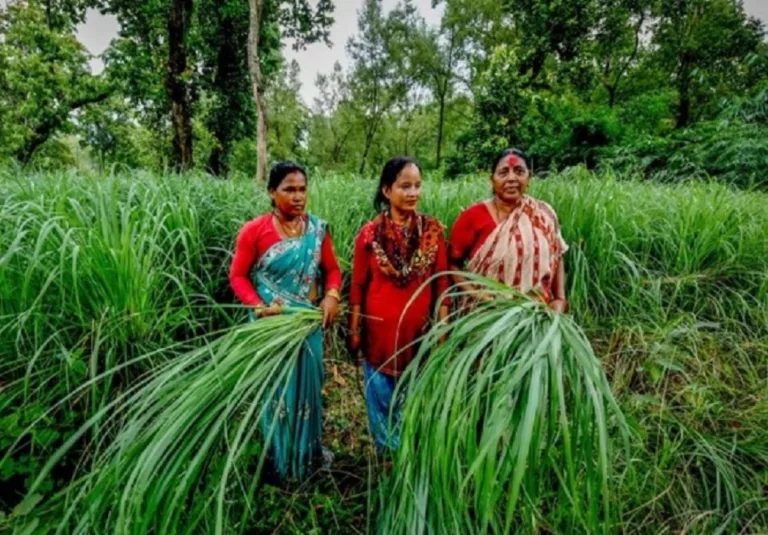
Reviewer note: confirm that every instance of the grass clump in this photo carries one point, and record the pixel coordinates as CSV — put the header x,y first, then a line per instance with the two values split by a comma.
x,y
184,438
507,422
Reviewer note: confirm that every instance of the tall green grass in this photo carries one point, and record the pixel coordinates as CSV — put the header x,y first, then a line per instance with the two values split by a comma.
x,y
670,282
188,437
507,421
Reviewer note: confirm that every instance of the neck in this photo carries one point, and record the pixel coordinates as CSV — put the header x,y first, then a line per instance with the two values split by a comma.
x,y
286,218
398,216
506,206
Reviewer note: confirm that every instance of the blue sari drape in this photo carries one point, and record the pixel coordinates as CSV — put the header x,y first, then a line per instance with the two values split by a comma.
x,y
293,418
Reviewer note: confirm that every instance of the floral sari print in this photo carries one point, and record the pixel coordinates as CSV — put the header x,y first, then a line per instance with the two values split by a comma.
x,y
524,250
285,274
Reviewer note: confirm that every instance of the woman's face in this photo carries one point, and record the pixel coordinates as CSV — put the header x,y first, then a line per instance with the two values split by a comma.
x,y
290,197
405,192
510,179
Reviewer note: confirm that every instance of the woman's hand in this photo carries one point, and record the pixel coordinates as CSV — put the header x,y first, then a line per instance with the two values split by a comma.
x,y
272,310
559,305
330,307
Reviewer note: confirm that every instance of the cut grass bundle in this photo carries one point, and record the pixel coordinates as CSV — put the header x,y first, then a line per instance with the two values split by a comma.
x,y
506,423
186,437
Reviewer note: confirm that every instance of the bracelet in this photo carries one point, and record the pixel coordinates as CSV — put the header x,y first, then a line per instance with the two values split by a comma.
x,y
333,292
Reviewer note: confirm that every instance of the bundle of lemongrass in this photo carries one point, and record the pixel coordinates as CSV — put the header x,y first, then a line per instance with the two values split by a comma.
x,y
505,426
181,438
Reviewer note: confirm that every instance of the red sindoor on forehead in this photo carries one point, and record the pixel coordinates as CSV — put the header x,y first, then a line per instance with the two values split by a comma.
x,y
513,160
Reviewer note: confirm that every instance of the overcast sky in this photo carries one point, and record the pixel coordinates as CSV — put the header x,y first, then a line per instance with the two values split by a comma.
x,y
99,30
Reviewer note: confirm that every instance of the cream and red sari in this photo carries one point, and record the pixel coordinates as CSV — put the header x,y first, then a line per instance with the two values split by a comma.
x,y
523,251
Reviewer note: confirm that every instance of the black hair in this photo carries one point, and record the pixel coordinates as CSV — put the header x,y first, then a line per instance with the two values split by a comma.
x,y
507,152
389,174
281,170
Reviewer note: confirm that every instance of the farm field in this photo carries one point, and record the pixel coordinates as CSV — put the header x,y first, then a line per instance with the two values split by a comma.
x,y
129,271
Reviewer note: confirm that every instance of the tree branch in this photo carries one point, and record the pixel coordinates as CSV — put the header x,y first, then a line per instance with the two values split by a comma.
x,y
44,131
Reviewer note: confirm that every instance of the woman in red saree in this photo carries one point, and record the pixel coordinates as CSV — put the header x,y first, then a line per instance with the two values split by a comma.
x,y
512,238
395,255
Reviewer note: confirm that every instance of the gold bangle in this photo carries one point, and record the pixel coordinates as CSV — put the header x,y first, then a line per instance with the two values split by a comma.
x,y
333,292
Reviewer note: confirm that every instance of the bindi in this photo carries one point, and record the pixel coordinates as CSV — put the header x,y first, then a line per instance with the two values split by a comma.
x,y
513,160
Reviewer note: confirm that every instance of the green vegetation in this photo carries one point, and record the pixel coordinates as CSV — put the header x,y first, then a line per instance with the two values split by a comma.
x,y
112,282
673,88
127,383
504,420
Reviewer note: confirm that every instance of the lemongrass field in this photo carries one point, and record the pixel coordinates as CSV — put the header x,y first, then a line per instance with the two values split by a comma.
x,y
105,281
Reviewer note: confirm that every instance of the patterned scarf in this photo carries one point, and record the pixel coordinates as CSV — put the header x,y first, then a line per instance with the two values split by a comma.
x,y
405,252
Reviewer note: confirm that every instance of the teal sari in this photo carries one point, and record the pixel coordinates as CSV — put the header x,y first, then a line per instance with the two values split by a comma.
x,y
293,419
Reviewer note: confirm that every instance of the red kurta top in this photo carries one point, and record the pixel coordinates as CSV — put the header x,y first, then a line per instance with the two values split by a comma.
x,y
255,239
384,303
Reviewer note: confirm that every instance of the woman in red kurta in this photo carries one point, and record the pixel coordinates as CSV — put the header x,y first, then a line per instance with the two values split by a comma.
x,y
395,254
286,257
512,238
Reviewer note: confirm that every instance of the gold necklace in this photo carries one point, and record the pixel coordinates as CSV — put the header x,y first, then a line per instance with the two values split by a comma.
x,y
291,233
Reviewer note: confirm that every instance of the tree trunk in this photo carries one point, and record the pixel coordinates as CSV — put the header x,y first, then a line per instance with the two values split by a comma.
x,y
339,145
256,8
215,164
368,142
443,94
226,83
440,128
181,112
613,89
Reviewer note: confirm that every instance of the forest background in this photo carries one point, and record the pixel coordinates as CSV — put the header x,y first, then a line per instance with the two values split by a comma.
x,y
665,88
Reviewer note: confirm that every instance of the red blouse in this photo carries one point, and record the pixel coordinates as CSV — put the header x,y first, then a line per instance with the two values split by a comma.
x,y
255,239
469,232
384,305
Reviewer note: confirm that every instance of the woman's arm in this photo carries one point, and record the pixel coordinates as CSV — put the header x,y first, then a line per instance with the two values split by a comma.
x,y
330,265
332,282
459,245
242,262
360,269
559,302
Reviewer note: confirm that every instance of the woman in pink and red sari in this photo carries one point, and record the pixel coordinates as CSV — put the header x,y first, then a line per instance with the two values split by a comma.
x,y
512,237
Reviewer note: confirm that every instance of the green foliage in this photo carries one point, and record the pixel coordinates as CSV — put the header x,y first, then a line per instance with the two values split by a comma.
x,y
751,109
731,151
111,131
185,433
229,113
512,405
117,276
289,116
547,91
44,78
703,69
